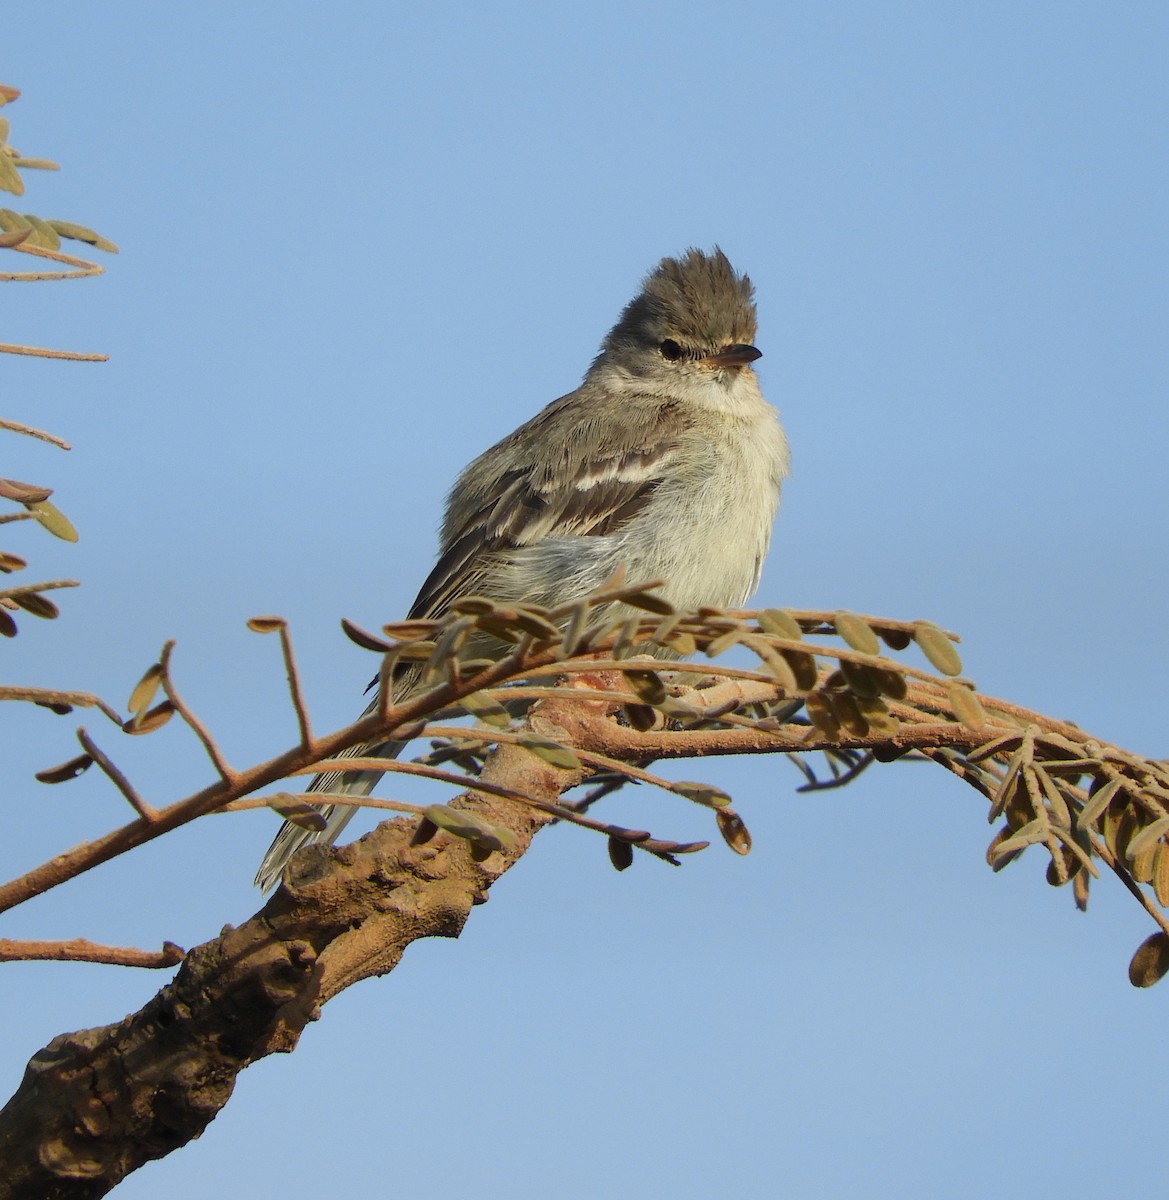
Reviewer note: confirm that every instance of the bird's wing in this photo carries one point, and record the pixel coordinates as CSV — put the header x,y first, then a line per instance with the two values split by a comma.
x,y
592,489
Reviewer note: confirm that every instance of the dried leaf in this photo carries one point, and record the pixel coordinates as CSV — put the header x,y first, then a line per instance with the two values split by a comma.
x,y
1151,960
537,625
1080,886
733,831
303,815
10,180
553,753
965,704
1098,801
937,648
647,685
862,680
641,717
7,625
1160,878
38,605
23,493
1147,839
620,853
776,664
803,667
152,719
857,633
468,825
724,641
484,708
820,713
997,859
11,562
649,602
683,644
780,623
876,713
702,793
66,770
267,624
357,635
146,687
82,233
848,714
43,234
892,683
55,521
895,639
9,241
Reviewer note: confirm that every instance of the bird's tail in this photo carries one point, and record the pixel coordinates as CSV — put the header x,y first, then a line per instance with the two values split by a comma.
x,y
292,837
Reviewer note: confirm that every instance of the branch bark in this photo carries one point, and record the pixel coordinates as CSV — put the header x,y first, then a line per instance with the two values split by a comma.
x,y
94,1106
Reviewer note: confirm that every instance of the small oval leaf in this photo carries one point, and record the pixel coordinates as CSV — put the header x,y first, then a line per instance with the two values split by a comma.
x,y
267,624
1151,960
702,793
65,771
780,623
966,705
146,688
620,853
733,831
53,519
152,719
937,648
857,633
303,815
553,753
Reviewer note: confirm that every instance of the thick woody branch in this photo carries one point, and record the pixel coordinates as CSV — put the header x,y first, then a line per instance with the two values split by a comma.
x,y
95,1105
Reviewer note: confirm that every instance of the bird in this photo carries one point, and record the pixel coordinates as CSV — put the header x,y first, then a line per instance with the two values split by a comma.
x,y
666,461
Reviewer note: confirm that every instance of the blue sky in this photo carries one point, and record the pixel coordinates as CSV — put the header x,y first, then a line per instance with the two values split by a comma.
x,y
362,241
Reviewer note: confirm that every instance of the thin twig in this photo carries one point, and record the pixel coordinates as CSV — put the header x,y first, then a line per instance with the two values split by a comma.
x,y
41,352
83,950
40,434
226,771
47,697
27,589
85,268
119,780
294,688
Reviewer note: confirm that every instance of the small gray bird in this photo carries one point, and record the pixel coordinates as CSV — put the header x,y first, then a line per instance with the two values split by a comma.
x,y
666,460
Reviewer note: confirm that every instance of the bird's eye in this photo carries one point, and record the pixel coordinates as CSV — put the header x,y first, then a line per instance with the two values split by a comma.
x,y
670,349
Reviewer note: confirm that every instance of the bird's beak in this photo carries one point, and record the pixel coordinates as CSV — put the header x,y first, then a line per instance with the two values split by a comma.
x,y
733,356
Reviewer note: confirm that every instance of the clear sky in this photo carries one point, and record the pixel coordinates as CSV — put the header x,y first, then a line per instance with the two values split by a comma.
x,y
361,241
